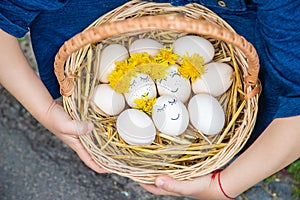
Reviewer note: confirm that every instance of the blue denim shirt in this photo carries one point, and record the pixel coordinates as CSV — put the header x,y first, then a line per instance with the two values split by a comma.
x,y
272,26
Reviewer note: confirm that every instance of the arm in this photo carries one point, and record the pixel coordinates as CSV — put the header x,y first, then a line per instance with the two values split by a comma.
x,y
277,147
21,81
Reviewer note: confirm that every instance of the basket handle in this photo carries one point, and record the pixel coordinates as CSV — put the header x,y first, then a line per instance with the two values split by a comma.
x,y
169,22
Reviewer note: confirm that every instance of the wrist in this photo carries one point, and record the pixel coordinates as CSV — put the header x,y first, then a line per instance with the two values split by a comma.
x,y
218,187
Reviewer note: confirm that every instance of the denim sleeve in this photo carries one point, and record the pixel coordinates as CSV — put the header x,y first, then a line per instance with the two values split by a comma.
x,y
16,15
279,31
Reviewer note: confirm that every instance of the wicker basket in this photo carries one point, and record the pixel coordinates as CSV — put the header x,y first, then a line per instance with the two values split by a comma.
x,y
183,157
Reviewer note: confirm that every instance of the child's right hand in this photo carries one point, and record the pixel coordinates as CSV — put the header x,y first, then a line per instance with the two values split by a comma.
x,y
68,130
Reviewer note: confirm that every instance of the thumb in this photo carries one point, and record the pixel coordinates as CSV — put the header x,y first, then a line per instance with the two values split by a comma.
x,y
171,185
76,127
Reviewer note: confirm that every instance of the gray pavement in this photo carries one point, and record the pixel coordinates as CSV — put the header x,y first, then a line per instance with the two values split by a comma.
x,y
35,165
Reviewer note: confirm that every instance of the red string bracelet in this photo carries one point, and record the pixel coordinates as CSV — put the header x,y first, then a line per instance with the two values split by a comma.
x,y
214,174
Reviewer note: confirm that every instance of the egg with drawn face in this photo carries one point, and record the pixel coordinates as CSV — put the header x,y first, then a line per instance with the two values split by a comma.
x,y
140,86
170,116
174,85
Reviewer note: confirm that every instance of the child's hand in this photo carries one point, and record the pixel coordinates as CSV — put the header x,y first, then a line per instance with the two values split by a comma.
x,y
200,188
68,130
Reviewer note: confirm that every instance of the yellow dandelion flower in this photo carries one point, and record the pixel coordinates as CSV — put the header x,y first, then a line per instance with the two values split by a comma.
x,y
154,70
124,83
192,67
166,56
124,66
145,104
114,77
139,58
121,68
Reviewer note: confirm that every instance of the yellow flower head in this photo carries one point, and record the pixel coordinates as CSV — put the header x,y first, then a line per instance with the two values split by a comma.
x,y
145,104
192,67
139,58
114,78
166,57
118,77
124,66
120,81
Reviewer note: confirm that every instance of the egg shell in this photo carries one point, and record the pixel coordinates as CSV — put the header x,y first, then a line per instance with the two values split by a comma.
x,y
192,44
206,114
107,100
135,127
149,46
109,55
140,86
174,85
215,81
170,116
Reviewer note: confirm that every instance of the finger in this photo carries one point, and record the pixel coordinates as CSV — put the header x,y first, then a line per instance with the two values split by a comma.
x,y
87,159
169,184
69,126
83,127
75,127
183,188
155,190
174,186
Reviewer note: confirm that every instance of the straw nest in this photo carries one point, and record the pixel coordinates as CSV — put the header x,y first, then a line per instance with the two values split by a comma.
x,y
189,155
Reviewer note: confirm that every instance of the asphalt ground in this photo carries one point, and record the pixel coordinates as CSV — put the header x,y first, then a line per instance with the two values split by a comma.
x,y
35,165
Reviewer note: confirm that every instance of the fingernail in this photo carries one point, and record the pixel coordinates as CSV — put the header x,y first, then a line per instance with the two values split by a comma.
x,y
90,126
159,183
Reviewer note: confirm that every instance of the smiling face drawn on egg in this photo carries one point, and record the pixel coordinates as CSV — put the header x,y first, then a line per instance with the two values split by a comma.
x,y
170,116
139,87
174,85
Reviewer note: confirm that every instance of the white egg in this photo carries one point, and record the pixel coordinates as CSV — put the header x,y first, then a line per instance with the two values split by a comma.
x,y
170,116
149,46
139,87
109,55
192,44
106,100
174,85
206,114
215,81
135,127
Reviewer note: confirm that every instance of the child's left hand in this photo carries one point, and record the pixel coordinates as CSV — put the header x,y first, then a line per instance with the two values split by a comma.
x,y
200,188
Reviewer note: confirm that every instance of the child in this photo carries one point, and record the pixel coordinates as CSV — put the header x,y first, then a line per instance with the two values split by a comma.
x,y
273,28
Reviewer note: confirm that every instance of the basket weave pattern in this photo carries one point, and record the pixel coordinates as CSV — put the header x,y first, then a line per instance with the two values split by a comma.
x,y
183,157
